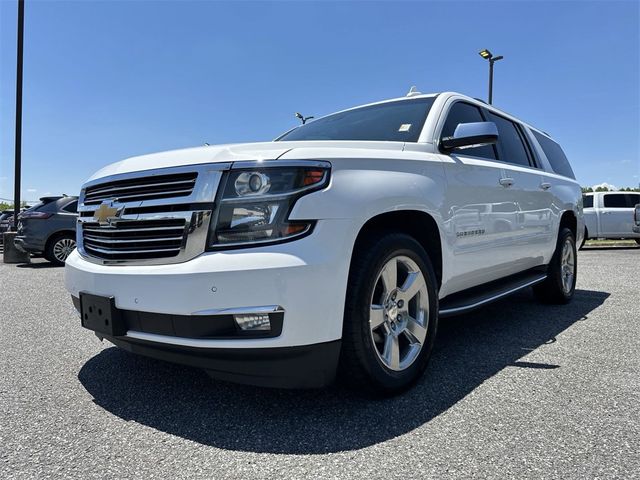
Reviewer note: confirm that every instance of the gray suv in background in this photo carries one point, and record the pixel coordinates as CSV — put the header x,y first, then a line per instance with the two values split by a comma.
x,y
6,217
49,228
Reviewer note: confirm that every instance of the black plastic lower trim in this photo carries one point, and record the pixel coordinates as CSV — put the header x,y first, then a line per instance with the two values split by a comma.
x,y
201,327
308,366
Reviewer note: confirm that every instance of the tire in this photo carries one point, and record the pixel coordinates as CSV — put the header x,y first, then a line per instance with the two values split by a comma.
x,y
387,359
59,248
560,284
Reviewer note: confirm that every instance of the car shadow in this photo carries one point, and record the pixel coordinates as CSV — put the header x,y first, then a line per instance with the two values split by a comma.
x,y
38,265
186,402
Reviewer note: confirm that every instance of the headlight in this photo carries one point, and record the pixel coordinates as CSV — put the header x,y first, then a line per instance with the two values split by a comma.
x,y
255,203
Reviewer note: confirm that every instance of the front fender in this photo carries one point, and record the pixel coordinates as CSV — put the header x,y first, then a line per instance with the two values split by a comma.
x,y
360,194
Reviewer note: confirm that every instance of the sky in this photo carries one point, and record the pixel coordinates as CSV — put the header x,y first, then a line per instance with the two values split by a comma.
x,y
108,80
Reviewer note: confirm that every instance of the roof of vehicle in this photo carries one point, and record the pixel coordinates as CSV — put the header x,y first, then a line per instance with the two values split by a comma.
x,y
476,101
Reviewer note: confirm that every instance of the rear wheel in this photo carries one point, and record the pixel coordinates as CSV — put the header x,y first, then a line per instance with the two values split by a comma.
x,y
59,248
560,284
391,315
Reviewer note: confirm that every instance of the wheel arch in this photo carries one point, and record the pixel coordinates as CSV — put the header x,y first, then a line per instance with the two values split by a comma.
x,y
569,220
57,234
416,223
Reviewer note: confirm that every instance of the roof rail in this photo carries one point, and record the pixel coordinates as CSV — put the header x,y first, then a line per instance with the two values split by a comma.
x,y
480,100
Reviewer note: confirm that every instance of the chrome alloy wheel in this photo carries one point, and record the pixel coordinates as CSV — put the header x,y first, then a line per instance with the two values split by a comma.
x,y
567,266
63,248
399,313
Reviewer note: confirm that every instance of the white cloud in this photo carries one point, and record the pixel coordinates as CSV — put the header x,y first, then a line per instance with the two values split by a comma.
x,y
605,184
31,190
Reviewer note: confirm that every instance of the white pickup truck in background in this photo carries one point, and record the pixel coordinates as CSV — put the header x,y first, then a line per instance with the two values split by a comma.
x,y
610,215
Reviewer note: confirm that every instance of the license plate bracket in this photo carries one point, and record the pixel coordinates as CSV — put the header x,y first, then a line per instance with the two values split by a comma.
x,y
100,314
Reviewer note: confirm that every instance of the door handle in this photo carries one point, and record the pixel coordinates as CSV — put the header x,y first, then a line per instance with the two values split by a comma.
x,y
545,185
506,182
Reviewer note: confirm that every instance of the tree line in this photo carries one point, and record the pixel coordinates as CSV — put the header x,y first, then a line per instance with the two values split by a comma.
x,y
607,189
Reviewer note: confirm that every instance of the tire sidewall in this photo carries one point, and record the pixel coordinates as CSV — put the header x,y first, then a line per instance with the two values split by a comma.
x,y
388,247
557,263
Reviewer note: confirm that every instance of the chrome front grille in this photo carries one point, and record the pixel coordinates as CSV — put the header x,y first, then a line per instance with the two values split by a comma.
x,y
146,188
135,239
153,217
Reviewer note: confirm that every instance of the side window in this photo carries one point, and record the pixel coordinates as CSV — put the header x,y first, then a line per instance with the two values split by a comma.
x,y
615,200
510,146
587,201
555,155
633,199
72,207
462,112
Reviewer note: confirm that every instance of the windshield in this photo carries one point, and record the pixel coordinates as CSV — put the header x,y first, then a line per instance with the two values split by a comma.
x,y
398,121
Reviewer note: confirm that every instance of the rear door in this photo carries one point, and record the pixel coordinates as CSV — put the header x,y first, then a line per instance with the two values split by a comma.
x,y
522,177
616,214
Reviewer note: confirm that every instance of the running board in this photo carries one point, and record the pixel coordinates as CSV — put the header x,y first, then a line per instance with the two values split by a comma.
x,y
467,300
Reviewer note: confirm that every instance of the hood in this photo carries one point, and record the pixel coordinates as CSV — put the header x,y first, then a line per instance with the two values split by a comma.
x,y
243,151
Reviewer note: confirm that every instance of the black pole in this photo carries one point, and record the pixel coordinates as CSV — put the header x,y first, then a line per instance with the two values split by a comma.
x,y
18,151
490,80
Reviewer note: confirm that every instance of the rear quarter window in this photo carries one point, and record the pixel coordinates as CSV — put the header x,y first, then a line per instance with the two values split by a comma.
x,y
555,155
71,207
587,201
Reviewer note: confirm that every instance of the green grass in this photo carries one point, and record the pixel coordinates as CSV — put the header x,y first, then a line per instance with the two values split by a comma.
x,y
610,243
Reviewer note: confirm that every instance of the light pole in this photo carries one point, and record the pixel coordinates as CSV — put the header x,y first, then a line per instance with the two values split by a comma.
x,y
18,149
487,55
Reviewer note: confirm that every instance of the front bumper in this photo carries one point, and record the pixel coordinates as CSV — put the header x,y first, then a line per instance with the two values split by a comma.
x,y
308,366
307,278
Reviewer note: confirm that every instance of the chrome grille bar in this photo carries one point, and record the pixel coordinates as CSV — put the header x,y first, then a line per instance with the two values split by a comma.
x,y
152,187
161,235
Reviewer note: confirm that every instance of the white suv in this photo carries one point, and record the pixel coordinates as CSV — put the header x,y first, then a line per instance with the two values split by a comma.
x,y
335,248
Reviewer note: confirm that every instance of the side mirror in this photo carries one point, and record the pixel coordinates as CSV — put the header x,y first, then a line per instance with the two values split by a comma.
x,y
471,134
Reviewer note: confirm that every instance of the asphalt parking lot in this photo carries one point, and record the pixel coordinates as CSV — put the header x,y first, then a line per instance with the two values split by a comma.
x,y
514,390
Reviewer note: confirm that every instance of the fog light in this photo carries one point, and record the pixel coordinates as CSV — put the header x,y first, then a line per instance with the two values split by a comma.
x,y
253,321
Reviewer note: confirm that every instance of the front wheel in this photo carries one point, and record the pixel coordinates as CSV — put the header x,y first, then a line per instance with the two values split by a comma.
x,y
391,315
560,283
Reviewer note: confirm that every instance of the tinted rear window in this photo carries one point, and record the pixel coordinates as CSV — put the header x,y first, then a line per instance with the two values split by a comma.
x,y
587,201
399,121
71,207
555,155
621,200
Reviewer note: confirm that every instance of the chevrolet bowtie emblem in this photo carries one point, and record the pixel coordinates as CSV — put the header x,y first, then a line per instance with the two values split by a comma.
x,y
105,214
